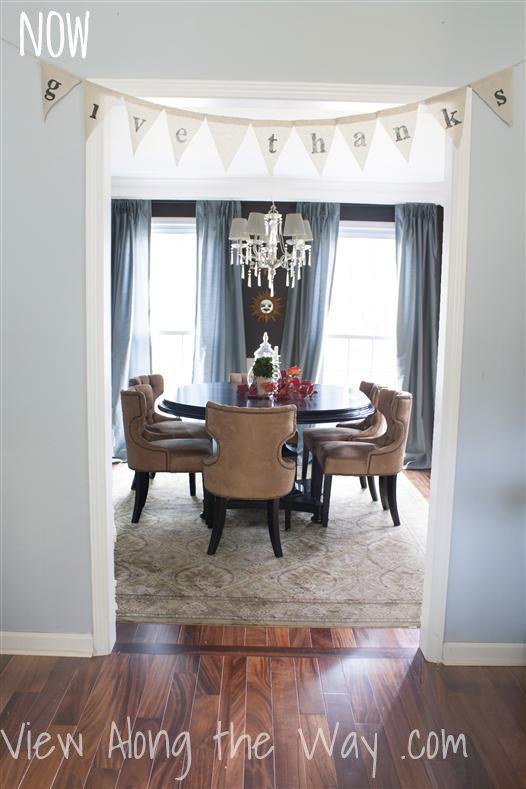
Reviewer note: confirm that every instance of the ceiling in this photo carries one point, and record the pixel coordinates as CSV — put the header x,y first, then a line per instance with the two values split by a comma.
x,y
201,161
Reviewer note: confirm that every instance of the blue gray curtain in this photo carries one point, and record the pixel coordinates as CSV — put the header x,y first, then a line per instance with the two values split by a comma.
x,y
308,303
418,255
219,328
130,303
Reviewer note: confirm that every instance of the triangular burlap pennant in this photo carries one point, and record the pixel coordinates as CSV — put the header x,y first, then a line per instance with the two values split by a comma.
x,y
448,109
317,137
272,136
497,91
56,83
400,125
358,132
228,134
182,126
141,116
98,102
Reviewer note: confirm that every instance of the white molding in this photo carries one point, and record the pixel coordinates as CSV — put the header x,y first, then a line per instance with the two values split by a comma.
x,y
60,644
468,653
289,91
276,189
98,206
447,404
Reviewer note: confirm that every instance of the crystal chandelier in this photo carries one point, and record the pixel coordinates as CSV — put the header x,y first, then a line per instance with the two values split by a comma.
x,y
259,245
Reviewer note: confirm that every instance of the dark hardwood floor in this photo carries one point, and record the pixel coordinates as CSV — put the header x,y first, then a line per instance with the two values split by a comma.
x,y
261,681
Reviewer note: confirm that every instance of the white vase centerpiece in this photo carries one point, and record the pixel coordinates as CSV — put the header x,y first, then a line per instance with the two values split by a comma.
x,y
265,369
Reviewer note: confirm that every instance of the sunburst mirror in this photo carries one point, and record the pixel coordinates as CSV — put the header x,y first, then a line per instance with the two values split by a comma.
x,y
265,307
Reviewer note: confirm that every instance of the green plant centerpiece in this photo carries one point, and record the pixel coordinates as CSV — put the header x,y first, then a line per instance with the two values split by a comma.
x,y
263,371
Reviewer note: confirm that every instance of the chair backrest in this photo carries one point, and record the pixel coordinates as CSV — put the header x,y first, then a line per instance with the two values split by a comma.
x,y
367,388
248,463
156,381
237,378
142,456
396,408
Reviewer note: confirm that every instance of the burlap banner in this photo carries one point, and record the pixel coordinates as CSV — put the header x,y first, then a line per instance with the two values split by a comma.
x,y
228,133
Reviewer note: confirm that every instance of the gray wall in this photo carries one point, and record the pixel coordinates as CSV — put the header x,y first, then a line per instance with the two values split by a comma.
x,y
46,544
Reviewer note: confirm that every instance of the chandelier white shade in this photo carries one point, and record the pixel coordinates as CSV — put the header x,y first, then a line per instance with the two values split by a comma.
x,y
260,244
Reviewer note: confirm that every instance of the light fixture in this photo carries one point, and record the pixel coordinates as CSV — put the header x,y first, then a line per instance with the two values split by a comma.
x,y
258,244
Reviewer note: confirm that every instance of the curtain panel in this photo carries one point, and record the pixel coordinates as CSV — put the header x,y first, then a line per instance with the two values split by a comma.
x,y
308,303
220,328
130,303
419,263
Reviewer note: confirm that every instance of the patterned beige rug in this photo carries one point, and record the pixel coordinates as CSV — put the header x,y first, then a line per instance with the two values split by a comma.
x,y
359,572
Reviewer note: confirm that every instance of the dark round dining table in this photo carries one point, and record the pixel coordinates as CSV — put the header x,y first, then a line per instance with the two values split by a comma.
x,y
329,404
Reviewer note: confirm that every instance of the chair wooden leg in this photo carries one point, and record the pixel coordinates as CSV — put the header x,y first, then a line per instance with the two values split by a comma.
x,y
208,508
372,488
363,482
142,483
327,483
192,484
382,483
273,526
305,462
391,498
134,481
219,522
316,479
288,511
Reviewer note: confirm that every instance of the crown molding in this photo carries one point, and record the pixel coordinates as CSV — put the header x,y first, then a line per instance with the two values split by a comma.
x,y
277,189
290,91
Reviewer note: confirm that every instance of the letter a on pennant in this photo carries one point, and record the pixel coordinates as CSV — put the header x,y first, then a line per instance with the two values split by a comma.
x,y
400,125
358,132
141,117
448,109
56,83
497,91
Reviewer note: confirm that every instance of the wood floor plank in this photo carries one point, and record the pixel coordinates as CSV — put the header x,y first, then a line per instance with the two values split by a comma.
x,y
4,660
343,637
289,757
395,724
278,636
234,635
310,696
331,675
167,771
256,636
381,637
320,770
42,772
228,770
168,634
190,634
78,691
148,721
321,637
211,635
259,772
386,776
125,632
100,706
299,637
203,722
350,768
24,673
360,691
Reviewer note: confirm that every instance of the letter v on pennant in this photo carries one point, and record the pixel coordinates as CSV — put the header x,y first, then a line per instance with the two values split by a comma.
x,y
141,117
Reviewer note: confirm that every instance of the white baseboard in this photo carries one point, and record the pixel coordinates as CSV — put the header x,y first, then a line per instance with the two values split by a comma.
x,y
468,653
60,644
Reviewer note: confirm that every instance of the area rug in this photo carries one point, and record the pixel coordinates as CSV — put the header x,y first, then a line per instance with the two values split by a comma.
x,y
359,572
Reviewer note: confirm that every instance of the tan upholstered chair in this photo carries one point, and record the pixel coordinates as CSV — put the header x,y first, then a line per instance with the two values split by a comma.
x,y
146,456
158,426
237,378
371,427
248,464
382,457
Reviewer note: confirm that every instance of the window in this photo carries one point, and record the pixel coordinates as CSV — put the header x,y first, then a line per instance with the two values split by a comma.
x,y
172,299
360,336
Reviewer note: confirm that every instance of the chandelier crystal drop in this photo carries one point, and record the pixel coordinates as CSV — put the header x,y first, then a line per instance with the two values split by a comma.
x,y
260,245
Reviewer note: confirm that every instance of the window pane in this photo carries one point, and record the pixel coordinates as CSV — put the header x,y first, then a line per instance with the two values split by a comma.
x,y
172,301
363,310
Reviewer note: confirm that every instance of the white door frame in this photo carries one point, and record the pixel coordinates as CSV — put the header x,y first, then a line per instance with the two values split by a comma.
x,y
98,203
